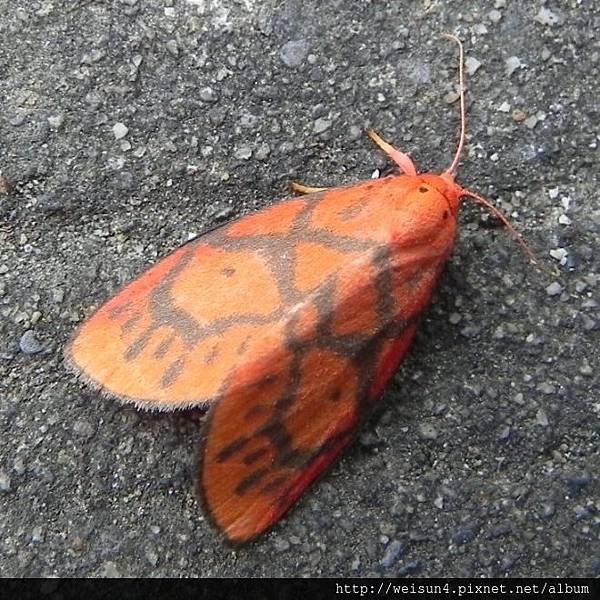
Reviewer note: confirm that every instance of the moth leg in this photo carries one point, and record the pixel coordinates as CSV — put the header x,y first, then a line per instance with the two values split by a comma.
x,y
300,188
402,160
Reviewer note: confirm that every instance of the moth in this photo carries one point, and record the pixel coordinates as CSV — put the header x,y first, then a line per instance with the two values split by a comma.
x,y
286,325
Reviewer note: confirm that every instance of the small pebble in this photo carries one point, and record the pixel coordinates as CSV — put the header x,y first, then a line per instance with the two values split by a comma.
x,y
223,74
93,57
504,434
29,343
512,64
77,543
590,302
577,481
120,130
546,17
541,418
294,52
55,121
531,121
439,409
6,186
19,465
355,132
410,567
224,214
472,65
37,535
392,553
588,323
470,331
546,388
173,47
427,431
464,535
548,509
420,74
151,556
559,254
207,94
243,152
58,295
83,429
564,220
217,115
518,115
554,289
585,368
495,16
500,530
4,482
504,107
263,151
454,318
321,125
281,545
110,570
50,203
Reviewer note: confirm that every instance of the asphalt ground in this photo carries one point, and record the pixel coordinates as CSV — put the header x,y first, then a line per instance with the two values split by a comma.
x,y
128,126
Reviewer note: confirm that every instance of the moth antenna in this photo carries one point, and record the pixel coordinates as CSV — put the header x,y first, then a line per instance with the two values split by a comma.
x,y
463,118
452,169
515,234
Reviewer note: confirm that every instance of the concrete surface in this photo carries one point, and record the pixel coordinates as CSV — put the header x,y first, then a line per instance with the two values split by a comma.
x,y
128,126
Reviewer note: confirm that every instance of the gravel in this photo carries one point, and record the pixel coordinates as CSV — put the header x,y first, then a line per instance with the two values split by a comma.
x,y
127,128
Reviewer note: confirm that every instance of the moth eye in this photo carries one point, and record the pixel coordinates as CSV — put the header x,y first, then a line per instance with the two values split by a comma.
x,y
445,215
423,189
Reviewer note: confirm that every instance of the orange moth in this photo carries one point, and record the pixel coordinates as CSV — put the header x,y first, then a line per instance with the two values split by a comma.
x,y
286,325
